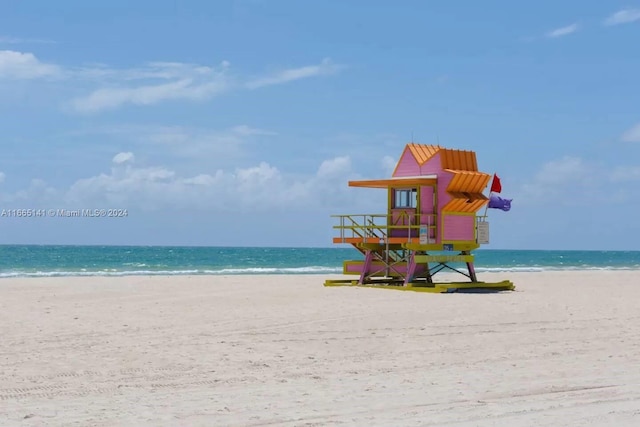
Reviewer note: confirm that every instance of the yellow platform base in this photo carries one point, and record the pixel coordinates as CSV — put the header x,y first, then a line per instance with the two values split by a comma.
x,y
439,288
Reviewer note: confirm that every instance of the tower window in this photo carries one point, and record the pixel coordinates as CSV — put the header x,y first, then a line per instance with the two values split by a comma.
x,y
406,198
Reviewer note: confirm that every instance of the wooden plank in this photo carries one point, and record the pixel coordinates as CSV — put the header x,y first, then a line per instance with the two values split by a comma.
x,y
421,259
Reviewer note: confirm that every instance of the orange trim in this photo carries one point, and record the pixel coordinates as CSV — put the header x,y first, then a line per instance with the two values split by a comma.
x,y
393,183
347,240
356,240
468,182
394,240
468,196
461,205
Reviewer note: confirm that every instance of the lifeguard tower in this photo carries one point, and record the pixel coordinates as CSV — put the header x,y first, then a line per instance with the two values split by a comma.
x,y
431,224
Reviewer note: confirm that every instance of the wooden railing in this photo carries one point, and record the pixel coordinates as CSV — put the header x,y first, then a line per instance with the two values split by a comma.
x,y
379,227
382,226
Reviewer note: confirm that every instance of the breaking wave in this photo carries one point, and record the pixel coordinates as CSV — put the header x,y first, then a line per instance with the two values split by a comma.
x,y
188,272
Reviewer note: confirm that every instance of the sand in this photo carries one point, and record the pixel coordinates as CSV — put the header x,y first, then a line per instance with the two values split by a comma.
x,y
562,350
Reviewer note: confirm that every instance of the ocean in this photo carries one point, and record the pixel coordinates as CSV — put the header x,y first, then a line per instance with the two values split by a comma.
x,y
43,261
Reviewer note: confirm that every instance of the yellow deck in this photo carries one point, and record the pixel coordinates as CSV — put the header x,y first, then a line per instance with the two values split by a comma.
x,y
448,287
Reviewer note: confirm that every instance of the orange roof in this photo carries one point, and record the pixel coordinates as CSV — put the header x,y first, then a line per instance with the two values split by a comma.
x,y
459,159
450,158
423,152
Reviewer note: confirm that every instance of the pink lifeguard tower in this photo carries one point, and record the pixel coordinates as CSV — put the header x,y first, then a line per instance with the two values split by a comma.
x,y
431,224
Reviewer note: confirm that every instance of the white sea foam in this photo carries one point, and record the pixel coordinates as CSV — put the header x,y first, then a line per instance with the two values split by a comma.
x,y
281,270
229,271
276,270
534,269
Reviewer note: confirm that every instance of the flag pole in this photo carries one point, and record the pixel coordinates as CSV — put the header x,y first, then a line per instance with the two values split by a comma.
x,y
486,208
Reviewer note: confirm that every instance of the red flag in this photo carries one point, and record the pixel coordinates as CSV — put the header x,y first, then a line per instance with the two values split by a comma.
x,y
496,186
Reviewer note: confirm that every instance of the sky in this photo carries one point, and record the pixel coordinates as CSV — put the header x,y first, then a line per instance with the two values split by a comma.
x,y
240,122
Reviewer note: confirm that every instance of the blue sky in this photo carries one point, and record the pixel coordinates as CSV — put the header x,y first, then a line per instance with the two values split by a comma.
x,y
240,122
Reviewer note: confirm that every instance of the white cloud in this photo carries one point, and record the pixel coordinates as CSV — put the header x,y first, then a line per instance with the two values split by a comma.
x,y
245,130
186,145
150,84
19,65
326,67
2,177
125,187
565,181
563,31
566,169
193,142
261,182
123,157
262,187
632,135
389,165
625,174
573,182
623,17
159,71
202,179
161,192
210,83
369,149
338,166
20,40
38,191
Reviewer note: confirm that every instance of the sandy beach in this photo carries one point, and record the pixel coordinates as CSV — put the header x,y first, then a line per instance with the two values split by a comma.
x,y
563,349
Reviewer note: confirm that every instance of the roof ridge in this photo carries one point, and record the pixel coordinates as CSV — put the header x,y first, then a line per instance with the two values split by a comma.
x,y
423,152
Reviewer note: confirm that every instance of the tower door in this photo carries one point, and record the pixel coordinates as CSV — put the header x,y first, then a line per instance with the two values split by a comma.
x,y
403,215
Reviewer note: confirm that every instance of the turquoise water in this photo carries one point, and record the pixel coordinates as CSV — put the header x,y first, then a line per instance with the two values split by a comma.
x,y
37,261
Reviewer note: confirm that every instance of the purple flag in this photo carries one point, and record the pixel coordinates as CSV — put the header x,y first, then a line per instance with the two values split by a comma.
x,y
497,202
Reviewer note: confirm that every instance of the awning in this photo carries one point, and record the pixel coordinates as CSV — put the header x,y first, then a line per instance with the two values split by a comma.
x,y
466,181
402,182
465,202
